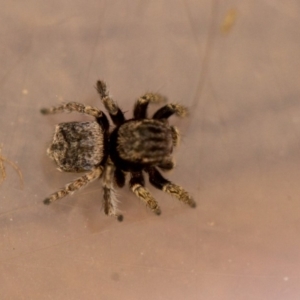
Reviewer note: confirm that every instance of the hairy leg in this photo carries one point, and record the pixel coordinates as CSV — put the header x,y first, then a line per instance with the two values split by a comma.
x,y
73,107
114,111
109,198
170,109
136,184
75,185
157,180
140,108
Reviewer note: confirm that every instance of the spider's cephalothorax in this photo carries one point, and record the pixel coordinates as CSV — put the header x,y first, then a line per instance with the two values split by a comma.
x,y
134,146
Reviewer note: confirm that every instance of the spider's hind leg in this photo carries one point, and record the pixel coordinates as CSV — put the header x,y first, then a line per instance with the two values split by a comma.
x,y
141,105
109,197
74,186
158,181
73,107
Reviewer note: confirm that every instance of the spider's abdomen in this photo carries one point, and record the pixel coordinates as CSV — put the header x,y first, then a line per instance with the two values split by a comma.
x,y
144,141
77,146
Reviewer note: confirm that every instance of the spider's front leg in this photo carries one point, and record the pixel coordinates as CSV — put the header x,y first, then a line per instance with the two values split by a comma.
x,y
169,110
136,184
141,106
158,181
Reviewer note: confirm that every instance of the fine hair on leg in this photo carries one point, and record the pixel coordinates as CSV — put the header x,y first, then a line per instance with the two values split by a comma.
x,y
136,184
73,107
141,105
110,201
169,110
75,185
114,111
158,181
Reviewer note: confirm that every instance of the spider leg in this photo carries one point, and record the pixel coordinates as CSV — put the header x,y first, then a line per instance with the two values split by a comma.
x,y
73,107
157,180
81,108
114,111
167,164
75,185
119,177
175,136
109,198
140,108
136,184
170,109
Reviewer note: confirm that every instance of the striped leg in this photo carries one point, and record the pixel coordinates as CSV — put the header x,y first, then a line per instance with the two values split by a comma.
x,y
170,109
140,108
157,180
114,111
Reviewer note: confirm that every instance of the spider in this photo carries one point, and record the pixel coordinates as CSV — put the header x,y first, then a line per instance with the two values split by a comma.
x,y
132,147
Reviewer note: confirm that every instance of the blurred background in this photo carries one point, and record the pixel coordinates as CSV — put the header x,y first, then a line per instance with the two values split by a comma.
x,y
235,64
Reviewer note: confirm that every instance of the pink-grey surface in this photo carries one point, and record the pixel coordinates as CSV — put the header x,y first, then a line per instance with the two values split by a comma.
x,y
239,156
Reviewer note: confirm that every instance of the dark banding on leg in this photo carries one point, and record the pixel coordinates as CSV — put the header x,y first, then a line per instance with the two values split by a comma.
x,y
157,180
114,111
141,106
169,110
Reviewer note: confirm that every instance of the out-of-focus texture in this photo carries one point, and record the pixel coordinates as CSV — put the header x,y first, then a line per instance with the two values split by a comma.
x,y
239,154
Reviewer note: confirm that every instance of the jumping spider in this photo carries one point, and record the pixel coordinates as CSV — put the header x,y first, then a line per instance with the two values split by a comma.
x,y
133,146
